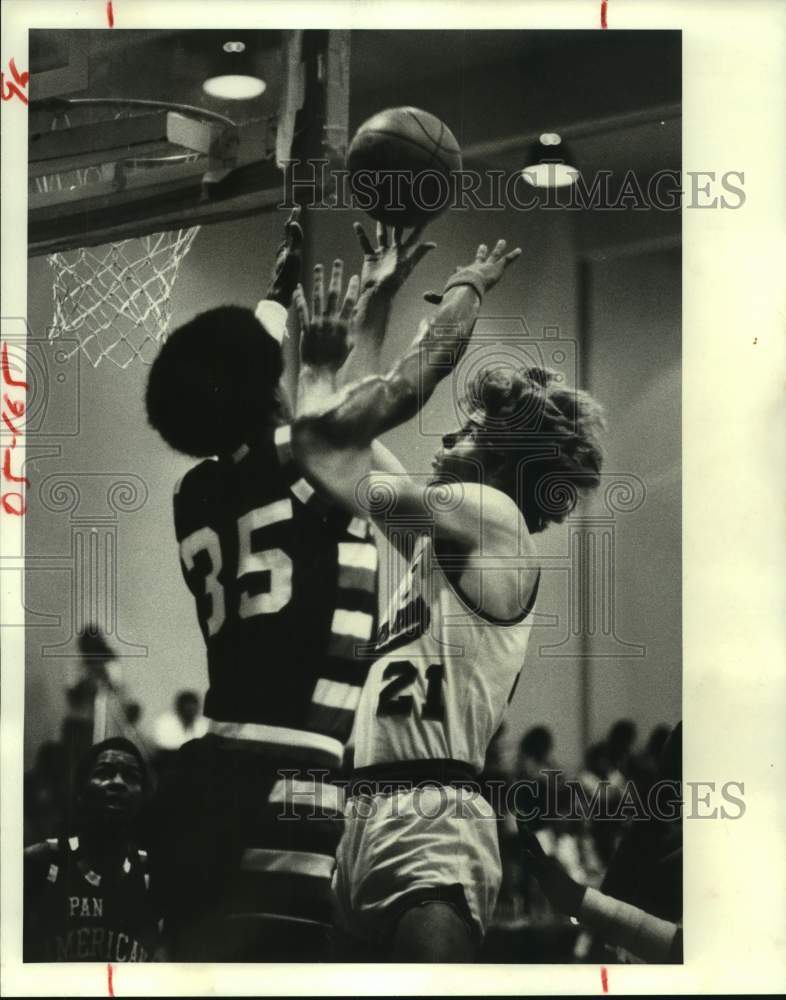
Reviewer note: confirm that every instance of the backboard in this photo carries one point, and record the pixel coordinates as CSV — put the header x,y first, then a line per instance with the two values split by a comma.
x,y
125,141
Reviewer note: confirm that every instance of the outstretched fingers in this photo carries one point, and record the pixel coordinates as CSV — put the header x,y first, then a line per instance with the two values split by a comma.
x,y
363,240
497,253
301,309
334,289
317,296
382,235
293,231
350,299
420,251
414,235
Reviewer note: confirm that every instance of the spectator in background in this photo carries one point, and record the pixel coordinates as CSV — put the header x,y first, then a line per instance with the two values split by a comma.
x,y
172,729
619,746
535,751
645,766
543,801
597,785
132,728
132,711
657,741
534,759
87,895
594,776
646,869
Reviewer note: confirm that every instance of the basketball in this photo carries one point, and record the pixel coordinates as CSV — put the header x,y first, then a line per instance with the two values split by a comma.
x,y
400,162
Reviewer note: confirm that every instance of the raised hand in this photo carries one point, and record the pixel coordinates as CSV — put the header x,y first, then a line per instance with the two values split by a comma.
x,y
490,267
483,273
289,258
388,265
324,346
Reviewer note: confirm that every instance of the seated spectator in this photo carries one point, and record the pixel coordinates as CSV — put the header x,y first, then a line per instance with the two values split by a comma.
x,y
535,752
644,766
619,745
601,784
538,791
646,869
87,894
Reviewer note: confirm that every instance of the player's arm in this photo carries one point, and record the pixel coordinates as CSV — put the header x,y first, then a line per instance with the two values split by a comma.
x,y
622,924
362,411
383,461
271,311
289,259
334,443
384,270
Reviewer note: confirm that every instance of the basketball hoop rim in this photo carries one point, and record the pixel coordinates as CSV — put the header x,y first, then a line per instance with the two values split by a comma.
x,y
63,104
59,108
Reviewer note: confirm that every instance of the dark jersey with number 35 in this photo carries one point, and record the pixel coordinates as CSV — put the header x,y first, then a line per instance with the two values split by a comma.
x,y
285,592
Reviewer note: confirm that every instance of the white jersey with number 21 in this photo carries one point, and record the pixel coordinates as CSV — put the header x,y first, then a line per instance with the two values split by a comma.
x,y
444,676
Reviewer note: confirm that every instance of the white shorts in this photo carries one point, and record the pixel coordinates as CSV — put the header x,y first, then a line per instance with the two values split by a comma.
x,y
401,848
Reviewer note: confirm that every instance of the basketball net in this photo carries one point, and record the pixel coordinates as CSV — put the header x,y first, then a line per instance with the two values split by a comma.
x,y
116,300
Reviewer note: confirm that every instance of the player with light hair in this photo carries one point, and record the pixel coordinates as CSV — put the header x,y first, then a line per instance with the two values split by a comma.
x,y
418,866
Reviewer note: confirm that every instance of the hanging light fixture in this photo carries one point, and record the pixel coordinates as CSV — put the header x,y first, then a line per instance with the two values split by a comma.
x,y
237,79
549,163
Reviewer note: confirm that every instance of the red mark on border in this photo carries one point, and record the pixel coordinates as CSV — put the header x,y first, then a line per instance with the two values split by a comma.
x,y
109,964
12,501
10,89
7,378
604,978
8,474
603,9
110,14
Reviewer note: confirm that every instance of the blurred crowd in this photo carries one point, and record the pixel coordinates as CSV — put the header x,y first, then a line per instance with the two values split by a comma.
x,y
595,825
598,825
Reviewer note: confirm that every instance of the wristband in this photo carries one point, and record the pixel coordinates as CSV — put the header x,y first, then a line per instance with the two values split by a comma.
x,y
466,277
273,316
623,924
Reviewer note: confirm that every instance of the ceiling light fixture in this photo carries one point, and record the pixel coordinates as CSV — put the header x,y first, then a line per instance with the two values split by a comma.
x,y
234,87
549,163
236,79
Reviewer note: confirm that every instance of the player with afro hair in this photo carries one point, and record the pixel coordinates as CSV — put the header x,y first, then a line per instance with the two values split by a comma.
x,y
217,376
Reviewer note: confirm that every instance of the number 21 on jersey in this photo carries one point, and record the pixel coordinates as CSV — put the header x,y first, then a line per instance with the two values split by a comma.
x,y
275,561
401,675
